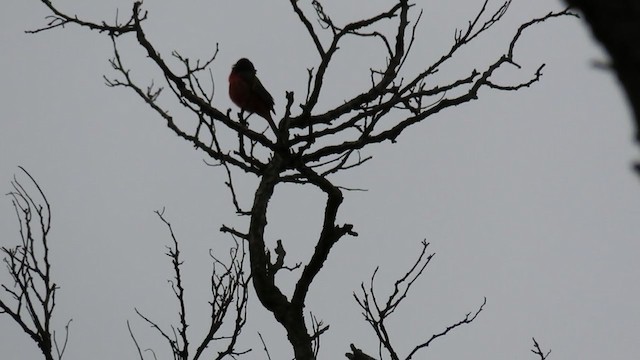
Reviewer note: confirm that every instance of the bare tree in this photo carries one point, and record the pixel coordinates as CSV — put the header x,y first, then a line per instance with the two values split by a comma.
x,y
31,299
308,145
229,296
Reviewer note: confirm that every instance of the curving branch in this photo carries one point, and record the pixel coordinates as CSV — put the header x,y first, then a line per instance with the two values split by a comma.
x,y
309,146
329,235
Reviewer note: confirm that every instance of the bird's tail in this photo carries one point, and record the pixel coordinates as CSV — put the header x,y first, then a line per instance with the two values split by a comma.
x,y
272,123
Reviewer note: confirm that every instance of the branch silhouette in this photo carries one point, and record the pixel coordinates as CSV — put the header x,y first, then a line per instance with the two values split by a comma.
x,y
308,146
30,302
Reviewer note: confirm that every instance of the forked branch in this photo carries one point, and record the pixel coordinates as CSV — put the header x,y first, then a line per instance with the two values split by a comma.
x,y
377,312
229,296
31,299
309,147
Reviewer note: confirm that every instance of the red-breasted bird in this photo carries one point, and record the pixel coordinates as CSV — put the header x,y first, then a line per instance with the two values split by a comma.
x,y
246,91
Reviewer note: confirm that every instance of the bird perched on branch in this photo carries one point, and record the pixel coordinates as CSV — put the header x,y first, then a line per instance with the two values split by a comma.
x,y
247,92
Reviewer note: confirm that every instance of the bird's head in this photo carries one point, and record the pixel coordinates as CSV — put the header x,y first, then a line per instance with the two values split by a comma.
x,y
243,65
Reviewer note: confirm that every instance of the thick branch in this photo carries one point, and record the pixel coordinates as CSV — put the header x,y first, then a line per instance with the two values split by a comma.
x,y
329,235
291,317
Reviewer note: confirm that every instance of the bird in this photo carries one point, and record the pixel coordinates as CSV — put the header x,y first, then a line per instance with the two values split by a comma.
x,y
248,93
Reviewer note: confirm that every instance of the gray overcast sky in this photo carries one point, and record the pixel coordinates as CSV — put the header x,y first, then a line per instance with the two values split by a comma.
x,y
527,198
